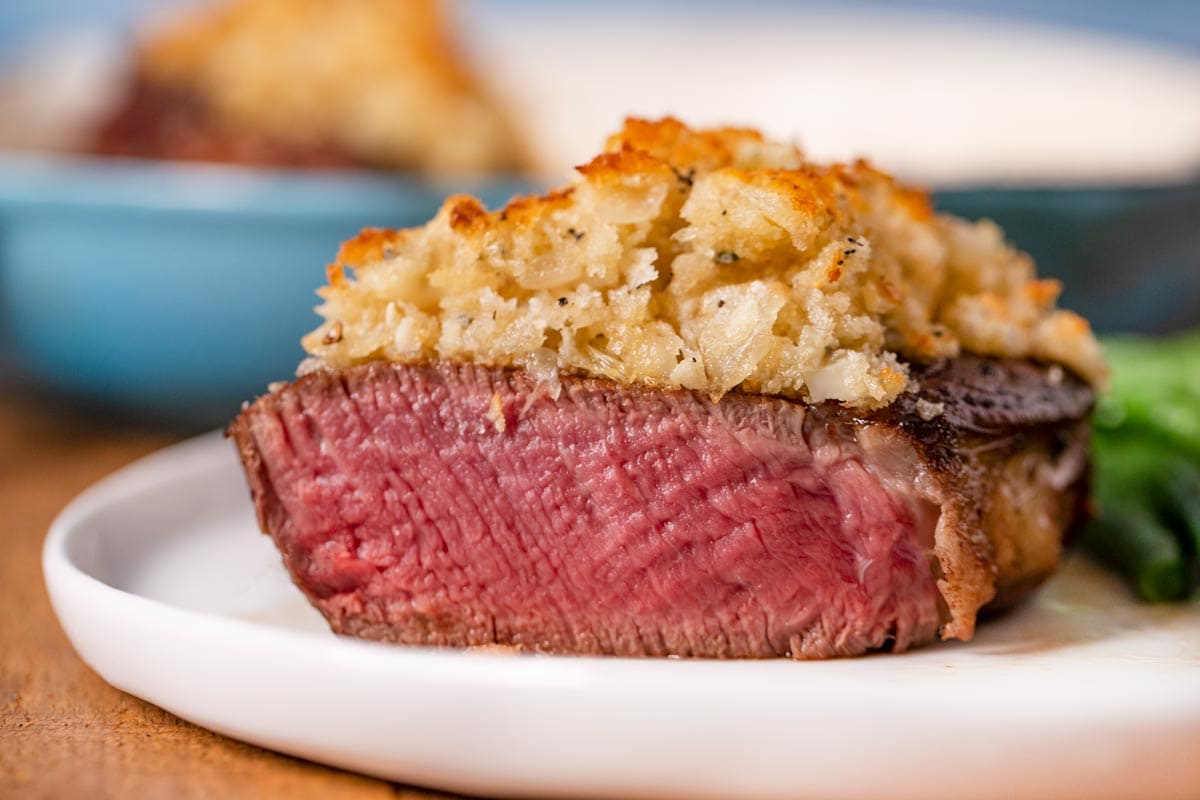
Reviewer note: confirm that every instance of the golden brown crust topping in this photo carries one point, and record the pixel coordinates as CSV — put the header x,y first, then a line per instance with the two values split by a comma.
x,y
710,260
378,79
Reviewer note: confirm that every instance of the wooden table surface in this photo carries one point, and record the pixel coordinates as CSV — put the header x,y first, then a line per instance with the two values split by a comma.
x,y
64,733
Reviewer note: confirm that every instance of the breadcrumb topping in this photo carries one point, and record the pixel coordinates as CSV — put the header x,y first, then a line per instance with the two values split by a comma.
x,y
711,260
379,79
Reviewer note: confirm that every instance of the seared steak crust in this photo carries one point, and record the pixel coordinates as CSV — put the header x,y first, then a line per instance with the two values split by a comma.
x,y
1010,450
462,505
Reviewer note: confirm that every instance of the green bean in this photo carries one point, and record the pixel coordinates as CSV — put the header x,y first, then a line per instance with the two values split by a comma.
x,y
1147,465
1125,465
1129,539
1155,390
1179,494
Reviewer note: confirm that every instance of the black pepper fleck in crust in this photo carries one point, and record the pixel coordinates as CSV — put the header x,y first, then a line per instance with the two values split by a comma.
x,y
686,178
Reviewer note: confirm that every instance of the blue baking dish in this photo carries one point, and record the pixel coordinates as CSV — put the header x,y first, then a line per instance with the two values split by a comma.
x,y
1128,256
179,290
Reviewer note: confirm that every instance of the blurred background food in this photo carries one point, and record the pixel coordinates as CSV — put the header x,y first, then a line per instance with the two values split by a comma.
x,y
239,142
335,83
176,288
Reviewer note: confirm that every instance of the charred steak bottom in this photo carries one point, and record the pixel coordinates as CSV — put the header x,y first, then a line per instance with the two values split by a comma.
x,y
460,505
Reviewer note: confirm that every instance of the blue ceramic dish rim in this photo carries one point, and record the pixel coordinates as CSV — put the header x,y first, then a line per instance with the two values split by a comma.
x,y
55,180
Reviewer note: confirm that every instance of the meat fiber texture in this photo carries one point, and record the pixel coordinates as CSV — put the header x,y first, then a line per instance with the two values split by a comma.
x,y
462,505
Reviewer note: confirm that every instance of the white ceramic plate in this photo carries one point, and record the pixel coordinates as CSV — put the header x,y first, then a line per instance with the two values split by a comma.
x,y
940,97
167,590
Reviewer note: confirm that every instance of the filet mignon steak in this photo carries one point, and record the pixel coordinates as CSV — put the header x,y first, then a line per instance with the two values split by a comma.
x,y
456,504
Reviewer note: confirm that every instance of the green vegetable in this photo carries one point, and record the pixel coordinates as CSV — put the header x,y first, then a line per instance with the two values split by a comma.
x,y
1130,540
1147,466
1179,494
1155,391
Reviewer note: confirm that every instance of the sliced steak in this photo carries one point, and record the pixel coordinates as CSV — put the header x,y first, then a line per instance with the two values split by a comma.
x,y
449,504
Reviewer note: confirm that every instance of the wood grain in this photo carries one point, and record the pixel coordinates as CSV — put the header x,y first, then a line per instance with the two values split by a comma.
x,y
64,733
